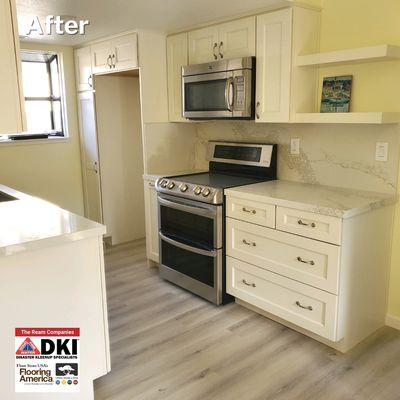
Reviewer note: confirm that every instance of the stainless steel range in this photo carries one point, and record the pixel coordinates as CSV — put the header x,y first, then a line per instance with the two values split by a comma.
x,y
192,213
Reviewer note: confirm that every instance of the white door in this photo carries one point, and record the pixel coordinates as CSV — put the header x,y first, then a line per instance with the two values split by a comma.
x,y
125,55
11,113
101,57
177,56
151,206
83,69
90,158
203,45
237,38
274,48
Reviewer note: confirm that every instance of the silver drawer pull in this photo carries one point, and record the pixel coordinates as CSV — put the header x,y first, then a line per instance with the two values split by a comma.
x,y
298,304
248,284
244,209
311,262
311,225
249,243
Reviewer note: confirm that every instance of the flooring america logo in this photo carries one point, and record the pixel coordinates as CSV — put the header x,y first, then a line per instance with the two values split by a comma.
x,y
47,359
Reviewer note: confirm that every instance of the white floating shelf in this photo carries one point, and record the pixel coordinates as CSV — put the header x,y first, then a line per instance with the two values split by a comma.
x,y
348,118
384,52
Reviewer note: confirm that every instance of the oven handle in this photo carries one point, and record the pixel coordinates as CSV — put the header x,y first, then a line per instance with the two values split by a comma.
x,y
191,209
209,253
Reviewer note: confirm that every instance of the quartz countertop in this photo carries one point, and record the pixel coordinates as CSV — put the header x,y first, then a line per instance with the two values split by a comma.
x,y
32,223
326,200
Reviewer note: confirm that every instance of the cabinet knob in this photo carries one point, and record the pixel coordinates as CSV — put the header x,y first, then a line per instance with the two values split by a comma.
x,y
298,304
248,283
311,225
253,244
109,63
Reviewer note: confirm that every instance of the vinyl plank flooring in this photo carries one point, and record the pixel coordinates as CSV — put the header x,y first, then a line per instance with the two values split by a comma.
x,y
169,344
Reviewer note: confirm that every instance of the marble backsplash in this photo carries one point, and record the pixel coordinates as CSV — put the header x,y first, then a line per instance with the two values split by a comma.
x,y
336,155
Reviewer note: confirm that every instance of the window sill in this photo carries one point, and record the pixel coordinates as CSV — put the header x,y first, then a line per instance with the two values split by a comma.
x,y
5,141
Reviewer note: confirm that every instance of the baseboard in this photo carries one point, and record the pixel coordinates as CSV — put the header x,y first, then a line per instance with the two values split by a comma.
x,y
393,322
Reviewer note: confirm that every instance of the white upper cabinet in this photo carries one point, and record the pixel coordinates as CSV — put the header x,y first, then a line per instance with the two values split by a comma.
x,y
12,109
83,69
203,45
125,55
229,40
237,38
274,50
116,54
177,56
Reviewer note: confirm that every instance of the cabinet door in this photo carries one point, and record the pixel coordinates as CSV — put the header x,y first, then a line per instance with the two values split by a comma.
x,y
177,56
90,157
203,45
237,38
274,41
11,110
101,57
83,69
124,52
151,207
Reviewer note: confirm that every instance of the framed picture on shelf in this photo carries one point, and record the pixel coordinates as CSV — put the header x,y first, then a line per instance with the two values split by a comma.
x,y
336,94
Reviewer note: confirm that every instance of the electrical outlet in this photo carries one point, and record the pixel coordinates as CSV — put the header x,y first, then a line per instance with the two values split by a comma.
x,y
381,151
295,146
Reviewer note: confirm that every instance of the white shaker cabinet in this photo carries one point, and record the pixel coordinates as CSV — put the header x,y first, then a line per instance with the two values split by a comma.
x,y
228,40
274,44
12,117
83,69
151,210
177,56
116,54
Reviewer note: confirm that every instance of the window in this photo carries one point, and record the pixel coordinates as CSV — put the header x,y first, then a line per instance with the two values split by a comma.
x,y
43,93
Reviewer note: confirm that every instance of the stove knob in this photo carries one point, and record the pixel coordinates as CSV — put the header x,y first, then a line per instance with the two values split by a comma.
x,y
183,187
171,185
206,192
164,183
197,190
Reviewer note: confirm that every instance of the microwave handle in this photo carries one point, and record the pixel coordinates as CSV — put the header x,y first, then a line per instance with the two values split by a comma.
x,y
229,93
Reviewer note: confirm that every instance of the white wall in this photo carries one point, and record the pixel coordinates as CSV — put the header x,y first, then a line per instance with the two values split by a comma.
x,y
121,156
51,171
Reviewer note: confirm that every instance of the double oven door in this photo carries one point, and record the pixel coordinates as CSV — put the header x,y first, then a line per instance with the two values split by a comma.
x,y
191,241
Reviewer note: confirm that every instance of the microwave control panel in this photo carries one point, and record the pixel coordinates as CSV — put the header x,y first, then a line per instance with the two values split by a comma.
x,y
239,93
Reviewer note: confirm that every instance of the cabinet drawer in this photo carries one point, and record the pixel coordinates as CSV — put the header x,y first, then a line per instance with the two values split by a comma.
x,y
316,226
307,307
305,260
251,211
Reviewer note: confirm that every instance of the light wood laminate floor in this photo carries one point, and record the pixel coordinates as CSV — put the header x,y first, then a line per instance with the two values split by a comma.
x,y
169,344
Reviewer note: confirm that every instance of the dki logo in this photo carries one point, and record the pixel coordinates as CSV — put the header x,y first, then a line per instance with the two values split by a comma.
x,y
68,347
69,27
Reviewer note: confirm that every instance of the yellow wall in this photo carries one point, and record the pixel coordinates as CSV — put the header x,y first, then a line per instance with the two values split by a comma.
x,y
356,23
51,171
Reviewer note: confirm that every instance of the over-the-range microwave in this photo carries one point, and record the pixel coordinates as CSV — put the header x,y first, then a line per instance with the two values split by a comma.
x,y
221,89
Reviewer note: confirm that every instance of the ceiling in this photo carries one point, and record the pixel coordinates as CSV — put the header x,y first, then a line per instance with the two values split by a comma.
x,y
114,16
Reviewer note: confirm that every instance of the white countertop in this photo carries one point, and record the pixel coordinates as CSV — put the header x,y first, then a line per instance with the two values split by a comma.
x,y
31,223
327,200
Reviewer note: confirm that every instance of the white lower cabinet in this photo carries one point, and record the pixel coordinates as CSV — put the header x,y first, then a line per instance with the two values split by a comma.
x,y
293,301
151,210
322,275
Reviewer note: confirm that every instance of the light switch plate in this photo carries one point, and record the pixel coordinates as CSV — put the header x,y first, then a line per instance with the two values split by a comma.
x,y
381,151
295,146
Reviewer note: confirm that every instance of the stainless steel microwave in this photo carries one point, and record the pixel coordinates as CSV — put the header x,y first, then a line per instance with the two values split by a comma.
x,y
220,89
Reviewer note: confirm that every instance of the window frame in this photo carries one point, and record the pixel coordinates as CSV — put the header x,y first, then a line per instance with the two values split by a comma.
x,y
63,133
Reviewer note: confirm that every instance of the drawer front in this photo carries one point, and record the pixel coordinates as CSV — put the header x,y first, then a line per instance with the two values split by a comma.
x,y
251,211
309,308
315,226
305,260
